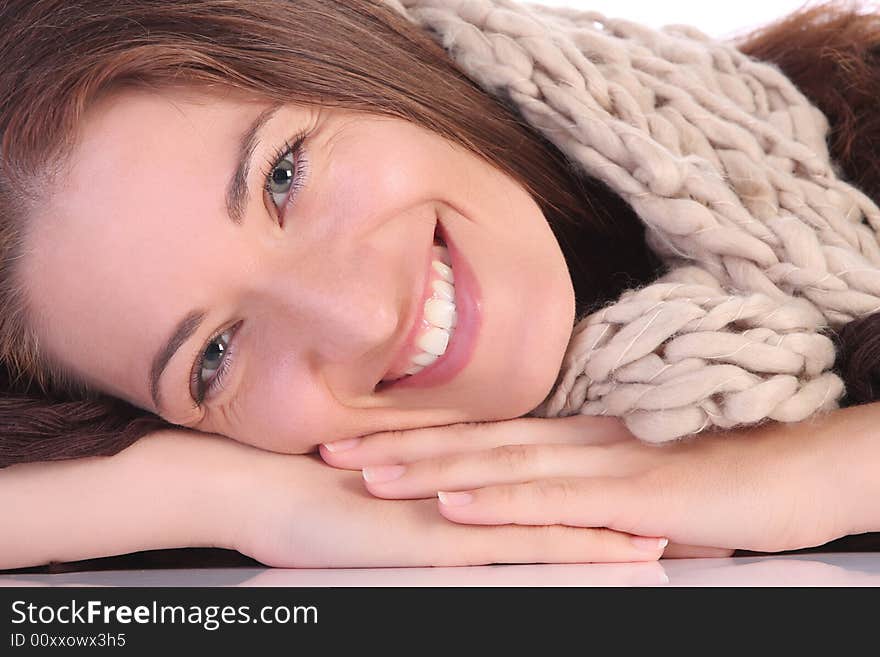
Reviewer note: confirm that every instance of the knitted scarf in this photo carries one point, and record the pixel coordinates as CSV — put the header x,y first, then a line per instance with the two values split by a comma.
x,y
726,163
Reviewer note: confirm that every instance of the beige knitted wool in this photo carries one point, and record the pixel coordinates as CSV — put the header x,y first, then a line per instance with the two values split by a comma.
x,y
726,163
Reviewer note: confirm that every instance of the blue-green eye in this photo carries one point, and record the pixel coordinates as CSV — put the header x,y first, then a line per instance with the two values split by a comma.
x,y
212,366
286,174
213,356
281,177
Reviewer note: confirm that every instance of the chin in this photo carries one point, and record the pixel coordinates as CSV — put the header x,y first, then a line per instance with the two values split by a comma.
x,y
519,390
535,376
537,390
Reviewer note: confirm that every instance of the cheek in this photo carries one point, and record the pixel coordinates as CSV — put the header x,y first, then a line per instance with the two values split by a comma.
x,y
283,409
383,172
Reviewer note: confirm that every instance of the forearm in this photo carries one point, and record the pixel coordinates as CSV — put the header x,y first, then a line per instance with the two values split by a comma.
x,y
857,442
167,490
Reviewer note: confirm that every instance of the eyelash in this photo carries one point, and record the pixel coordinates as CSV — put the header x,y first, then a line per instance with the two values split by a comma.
x,y
293,147
200,390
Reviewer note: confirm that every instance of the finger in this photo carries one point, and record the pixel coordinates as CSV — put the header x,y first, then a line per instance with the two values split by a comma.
x,y
508,464
428,442
612,502
377,533
558,489
678,551
546,544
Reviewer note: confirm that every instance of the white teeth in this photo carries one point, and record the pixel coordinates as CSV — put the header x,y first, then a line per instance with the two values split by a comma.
x,y
424,359
434,341
439,313
444,270
443,290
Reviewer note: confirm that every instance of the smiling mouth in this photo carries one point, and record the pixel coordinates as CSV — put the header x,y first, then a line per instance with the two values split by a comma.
x,y
432,332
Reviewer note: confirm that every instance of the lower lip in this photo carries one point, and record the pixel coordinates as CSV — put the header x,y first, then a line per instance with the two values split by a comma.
x,y
468,303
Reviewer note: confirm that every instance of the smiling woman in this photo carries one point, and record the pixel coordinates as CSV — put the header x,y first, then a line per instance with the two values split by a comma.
x,y
312,297
288,260
295,223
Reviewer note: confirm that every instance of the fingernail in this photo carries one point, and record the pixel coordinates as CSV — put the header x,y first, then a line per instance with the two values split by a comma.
x,y
454,499
342,445
649,544
379,474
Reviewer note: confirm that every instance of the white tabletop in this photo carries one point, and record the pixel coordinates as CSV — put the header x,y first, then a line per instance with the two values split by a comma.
x,y
836,569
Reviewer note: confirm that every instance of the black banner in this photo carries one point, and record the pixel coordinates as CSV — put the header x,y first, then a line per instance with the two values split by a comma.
x,y
136,619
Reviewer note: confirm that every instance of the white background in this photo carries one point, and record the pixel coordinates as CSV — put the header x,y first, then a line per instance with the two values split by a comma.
x,y
718,19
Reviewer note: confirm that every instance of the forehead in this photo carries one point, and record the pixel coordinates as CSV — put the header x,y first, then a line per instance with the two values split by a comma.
x,y
107,246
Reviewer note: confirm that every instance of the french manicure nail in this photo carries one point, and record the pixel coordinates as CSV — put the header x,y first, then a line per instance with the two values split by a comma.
x,y
649,544
454,499
342,445
379,474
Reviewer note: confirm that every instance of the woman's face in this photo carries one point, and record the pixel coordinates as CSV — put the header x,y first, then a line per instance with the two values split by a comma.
x,y
285,317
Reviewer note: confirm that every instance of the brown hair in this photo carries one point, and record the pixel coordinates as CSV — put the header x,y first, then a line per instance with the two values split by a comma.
x,y
58,56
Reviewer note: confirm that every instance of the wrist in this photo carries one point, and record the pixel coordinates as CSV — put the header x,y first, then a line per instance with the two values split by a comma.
x,y
189,486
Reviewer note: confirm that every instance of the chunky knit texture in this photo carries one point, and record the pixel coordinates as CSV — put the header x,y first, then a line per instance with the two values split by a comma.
x,y
726,163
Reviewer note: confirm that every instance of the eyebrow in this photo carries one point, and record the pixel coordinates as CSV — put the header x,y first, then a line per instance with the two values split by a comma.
x,y
236,188
182,332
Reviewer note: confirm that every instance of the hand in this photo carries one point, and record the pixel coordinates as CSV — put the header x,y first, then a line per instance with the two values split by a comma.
x,y
294,511
770,488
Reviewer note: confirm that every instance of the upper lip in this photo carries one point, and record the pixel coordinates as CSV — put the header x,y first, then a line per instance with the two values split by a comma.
x,y
407,334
